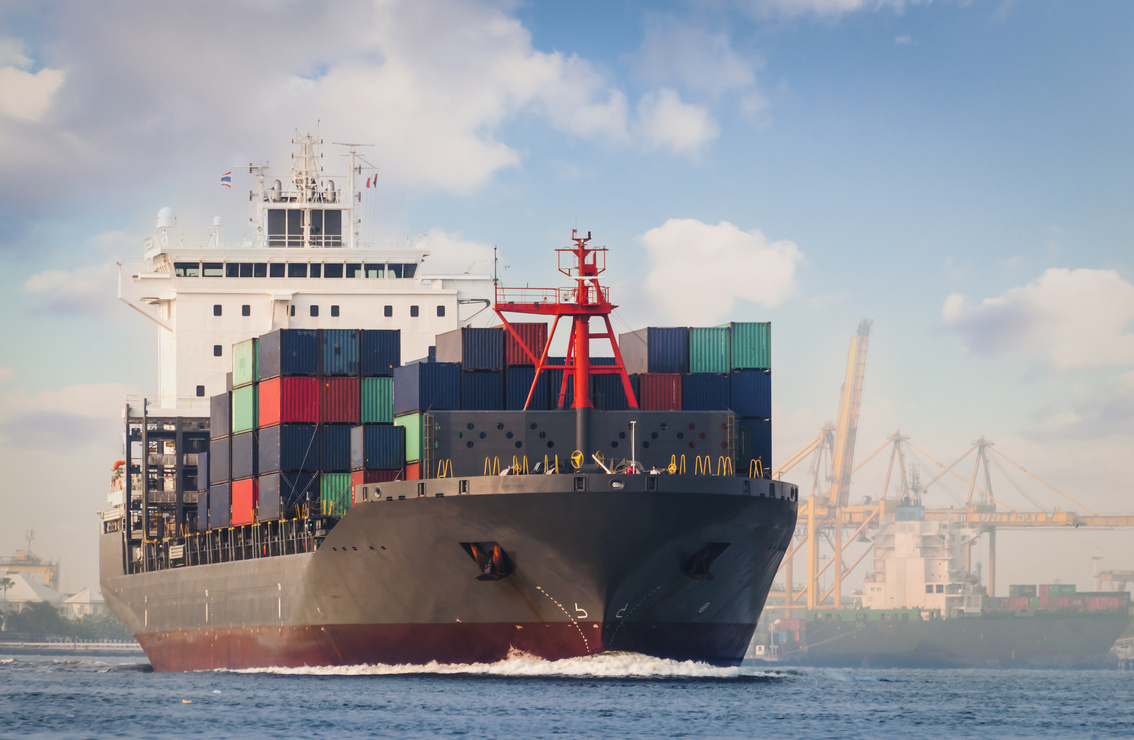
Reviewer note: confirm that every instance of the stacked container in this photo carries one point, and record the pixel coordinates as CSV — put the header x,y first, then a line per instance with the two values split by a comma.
x,y
418,388
480,354
379,358
750,361
220,464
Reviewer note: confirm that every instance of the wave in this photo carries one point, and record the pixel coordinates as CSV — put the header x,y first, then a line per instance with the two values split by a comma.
x,y
518,664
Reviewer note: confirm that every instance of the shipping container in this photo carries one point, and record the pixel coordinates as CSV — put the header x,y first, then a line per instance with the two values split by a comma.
x,y
288,352
244,363
753,442
377,447
413,471
293,400
202,510
220,415
751,345
244,409
244,501
334,447
245,460
412,424
284,495
220,460
377,400
1042,591
1022,590
289,448
334,494
220,505
655,350
473,348
751,393
339,351
608,393
339,401
427,386
203,470
380,351
659,391
706,392
518,383
482,390
533,334
710,349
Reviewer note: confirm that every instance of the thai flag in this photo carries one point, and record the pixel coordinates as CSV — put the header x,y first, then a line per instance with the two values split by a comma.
x,y
226,180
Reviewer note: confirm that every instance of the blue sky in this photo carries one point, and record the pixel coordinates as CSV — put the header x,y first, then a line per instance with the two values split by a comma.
x,y
959,172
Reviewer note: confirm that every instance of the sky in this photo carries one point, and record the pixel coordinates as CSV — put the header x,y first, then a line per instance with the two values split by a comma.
x,y
957,171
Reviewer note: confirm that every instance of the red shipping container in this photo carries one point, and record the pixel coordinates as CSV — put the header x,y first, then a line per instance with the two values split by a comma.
x,y
339,401
413,471
534,334
288,400
659,391
244,498
1042,593
1044,602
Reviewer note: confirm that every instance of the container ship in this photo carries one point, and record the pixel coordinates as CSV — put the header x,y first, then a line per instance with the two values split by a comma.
x,y
923,606
352,461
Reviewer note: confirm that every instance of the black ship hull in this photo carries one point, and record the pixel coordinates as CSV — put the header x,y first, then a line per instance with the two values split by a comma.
x,y
672,566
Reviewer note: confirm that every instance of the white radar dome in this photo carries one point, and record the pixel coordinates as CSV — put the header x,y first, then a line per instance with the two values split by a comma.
x,y
216,221
166,218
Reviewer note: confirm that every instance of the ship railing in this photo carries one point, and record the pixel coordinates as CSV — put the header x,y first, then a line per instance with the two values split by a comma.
x,y
227,544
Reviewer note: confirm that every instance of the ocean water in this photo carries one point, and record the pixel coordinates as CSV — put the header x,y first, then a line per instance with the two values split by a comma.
x,y
607,696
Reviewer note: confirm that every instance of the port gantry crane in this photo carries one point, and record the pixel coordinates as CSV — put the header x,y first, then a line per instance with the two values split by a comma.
x,y
828,511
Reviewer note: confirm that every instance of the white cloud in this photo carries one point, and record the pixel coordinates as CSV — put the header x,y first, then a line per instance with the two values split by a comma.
x,y
665,121
450,254
823,7
95,401
1071,319
904,40
84,290
698,271
6,373
27,95
676,51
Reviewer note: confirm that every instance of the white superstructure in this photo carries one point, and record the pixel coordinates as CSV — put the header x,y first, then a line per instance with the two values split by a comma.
x,y
306,269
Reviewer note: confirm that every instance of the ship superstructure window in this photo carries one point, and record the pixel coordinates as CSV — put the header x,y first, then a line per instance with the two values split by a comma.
x,y
200,391
326,228
353,270
374,271
334,310
260,269
286,227
413,311
292,312
388,311
217,309
333,271
297,269
187,269
246,269
277,269
213,269
218,350
440,310
314,310
232,269
245,310
315,270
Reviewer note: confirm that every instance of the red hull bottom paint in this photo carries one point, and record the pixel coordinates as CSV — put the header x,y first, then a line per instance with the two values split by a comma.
x,y
417,644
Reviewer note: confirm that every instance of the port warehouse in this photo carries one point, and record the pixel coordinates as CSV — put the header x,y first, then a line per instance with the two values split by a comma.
x,y
314,414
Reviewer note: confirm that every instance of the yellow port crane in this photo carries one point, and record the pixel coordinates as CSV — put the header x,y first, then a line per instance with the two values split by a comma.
x,y
828,511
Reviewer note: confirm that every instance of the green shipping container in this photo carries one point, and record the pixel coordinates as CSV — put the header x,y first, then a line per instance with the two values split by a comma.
x,y
710,349
243,409
377,400
751,345
412,423
244,363
334,494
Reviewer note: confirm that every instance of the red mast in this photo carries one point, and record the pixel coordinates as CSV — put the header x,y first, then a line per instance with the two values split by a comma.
x,y
586,300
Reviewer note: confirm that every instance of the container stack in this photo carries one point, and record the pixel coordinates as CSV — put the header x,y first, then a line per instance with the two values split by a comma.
x,y
480,353
220,467
519,368
379,443
418,388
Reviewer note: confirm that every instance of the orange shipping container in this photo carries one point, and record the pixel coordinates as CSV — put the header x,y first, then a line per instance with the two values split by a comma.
x,y
413,471
244,498
289,400
339,401
534,334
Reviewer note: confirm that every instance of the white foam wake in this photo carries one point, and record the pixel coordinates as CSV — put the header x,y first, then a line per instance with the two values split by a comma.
x,y
604,665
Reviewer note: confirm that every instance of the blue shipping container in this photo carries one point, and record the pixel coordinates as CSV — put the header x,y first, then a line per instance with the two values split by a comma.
x,y
608,393
427,386
474,348
220,415
245,454
751,393
202,510
482,391
377,447
334,448
288,352
220,505
340,351
203,470
290,448
379,351
655,350
754,442
705,392
518,382
219,461
282,495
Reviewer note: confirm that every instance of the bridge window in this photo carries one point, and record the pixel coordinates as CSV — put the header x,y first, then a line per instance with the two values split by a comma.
x,y
187,269
297,269
232,269
354,269
260,269
316,269
333,271
247,269
374,270
213,269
